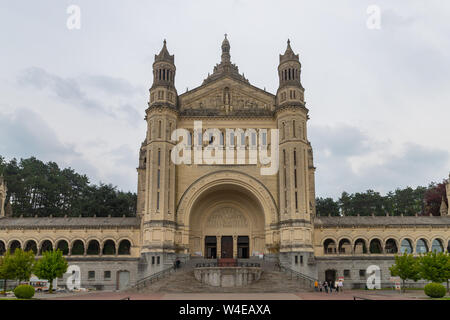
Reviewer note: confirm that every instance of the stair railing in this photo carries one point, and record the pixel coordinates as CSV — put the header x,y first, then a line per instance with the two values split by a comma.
x,y
155,277
306,280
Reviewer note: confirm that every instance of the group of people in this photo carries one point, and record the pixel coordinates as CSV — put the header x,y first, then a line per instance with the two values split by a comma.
x,y
329,286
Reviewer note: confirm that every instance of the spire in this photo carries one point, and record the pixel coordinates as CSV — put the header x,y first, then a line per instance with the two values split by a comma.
x,y
164,54
288,54
225,67
225,50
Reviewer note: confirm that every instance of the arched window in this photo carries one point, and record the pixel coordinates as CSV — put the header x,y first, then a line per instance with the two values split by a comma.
x,y
329,246
14,245
283,131
293,128
159,128
46,246
375,246
406,246
421,246
437,246
93,248
78,247
63,246
345,246
226,96
391,246
124,247
2,248
109,247
360,247
31,245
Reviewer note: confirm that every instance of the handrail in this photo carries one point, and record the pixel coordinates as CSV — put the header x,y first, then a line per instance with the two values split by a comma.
x,y
155,276
304,277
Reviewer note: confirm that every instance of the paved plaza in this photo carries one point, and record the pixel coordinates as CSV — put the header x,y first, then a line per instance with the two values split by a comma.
x,y
348,295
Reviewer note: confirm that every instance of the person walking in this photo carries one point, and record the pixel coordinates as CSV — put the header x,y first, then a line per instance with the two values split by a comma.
x,y
341,286
336,286
316,286
325,286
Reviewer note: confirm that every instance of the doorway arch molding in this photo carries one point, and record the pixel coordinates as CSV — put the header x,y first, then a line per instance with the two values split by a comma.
x,y
227,177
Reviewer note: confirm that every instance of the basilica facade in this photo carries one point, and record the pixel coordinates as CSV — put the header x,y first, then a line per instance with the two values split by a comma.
x,y
226,170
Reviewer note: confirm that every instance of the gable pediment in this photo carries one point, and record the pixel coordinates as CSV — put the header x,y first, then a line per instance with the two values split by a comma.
x,y
226,96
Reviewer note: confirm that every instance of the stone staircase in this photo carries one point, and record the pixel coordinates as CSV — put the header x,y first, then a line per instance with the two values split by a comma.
x,y
183,281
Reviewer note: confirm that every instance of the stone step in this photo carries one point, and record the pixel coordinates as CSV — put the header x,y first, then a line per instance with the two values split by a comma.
x,y
183,281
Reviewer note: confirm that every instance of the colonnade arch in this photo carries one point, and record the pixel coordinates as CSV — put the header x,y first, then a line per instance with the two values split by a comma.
x,y
74,247
388,245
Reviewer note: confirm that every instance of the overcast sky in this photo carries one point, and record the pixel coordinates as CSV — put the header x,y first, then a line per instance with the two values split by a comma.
x,y
378,98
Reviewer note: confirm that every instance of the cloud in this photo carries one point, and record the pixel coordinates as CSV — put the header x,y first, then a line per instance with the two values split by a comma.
x,y
91,92
68,90
24,134
349,160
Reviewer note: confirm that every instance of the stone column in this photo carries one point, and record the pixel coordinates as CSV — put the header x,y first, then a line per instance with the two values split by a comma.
x,y
219,246
235,251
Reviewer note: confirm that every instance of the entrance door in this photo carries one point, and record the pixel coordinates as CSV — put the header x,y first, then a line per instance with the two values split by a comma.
x,y
210,247
243,247
330,275
123,280
227,247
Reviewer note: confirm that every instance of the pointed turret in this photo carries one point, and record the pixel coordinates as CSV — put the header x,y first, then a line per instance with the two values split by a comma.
x,y
163,92
164,54
290,90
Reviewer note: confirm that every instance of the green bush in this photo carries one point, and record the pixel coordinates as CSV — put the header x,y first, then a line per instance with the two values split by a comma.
x,y
435,290
24,291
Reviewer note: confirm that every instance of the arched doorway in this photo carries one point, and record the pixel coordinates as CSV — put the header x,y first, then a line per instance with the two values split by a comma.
x,y
231,206
330,275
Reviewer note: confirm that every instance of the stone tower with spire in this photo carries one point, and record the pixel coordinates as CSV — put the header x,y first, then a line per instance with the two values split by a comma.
x,y
296,174
156,172
2,196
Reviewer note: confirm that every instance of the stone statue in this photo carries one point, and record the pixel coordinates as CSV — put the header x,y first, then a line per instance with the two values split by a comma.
x,y
2,196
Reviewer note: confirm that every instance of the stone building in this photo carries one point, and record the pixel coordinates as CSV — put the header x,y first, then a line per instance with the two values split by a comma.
x,y
211,191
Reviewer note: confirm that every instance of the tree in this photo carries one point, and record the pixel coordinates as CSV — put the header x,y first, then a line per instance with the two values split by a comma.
x,y
326,207
42,189
406,267
52,265
2,275
435,267
18,265
433,197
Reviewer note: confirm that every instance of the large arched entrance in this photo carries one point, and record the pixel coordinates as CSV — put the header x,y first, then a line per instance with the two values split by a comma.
x,y
227,215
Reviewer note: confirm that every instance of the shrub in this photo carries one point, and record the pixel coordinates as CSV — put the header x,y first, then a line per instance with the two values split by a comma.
x,y
435,290
24,291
